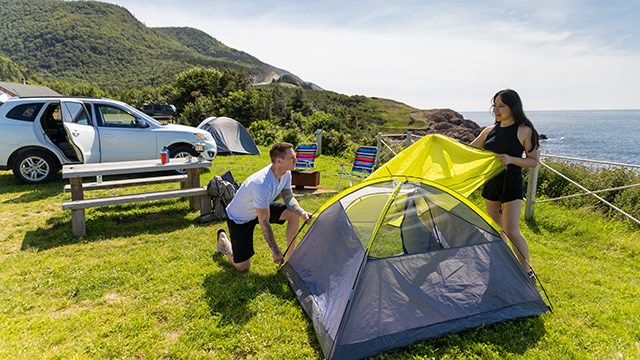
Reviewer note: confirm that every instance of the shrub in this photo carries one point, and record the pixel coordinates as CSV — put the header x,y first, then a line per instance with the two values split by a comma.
x,y
337,144
292,136
320,120
194,112
263,132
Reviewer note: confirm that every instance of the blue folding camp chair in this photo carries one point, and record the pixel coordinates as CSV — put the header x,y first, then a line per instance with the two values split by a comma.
x,y
306,156
362,165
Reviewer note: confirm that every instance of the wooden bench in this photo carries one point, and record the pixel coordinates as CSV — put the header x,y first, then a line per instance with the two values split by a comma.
x,y
200,192
114,184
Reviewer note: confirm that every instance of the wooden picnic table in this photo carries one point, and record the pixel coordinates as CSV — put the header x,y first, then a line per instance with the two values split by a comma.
x,y
191,189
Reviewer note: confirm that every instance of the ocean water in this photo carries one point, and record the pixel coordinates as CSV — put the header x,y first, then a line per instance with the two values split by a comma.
x,y
606,135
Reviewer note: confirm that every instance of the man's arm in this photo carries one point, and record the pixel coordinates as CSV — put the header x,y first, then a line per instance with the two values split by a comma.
x,y
269,237
292,204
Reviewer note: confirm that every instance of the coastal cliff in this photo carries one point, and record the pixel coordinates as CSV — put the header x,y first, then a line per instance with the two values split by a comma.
x,y
446,122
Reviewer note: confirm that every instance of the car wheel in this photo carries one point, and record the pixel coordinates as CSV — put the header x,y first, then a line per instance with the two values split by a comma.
x,y
35,167
181,152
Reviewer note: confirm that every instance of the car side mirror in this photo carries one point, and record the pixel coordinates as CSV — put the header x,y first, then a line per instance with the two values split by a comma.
x,y
141,124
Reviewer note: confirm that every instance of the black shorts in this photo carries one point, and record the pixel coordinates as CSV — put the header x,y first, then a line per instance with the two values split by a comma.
x,y
241,235
504,190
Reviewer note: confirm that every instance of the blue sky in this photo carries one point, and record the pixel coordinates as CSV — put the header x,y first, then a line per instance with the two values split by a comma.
x,y
434,54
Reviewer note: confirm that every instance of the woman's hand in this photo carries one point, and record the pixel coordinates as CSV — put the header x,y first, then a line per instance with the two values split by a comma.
x,y
528,162
504,159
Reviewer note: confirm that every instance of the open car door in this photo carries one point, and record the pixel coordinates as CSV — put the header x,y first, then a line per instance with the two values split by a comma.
x,y
80,131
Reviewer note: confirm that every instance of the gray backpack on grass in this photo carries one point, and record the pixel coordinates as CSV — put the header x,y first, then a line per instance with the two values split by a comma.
x,y
221,192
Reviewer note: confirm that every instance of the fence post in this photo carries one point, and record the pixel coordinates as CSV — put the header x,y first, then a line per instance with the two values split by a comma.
x,y
319,142
408,142
531,192
379,149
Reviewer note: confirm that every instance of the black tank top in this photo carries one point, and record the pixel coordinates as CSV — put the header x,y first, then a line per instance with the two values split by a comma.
x,y
504,140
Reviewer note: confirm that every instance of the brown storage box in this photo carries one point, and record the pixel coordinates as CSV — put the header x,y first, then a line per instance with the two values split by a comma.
x,y
302,178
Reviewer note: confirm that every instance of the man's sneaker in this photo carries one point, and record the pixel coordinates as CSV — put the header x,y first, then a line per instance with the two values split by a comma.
x,y
221,249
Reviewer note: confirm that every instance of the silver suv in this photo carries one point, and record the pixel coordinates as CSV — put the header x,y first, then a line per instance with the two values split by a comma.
x,y
40,134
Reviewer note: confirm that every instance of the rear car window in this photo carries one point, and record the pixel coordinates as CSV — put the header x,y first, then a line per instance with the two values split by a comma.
x,y
25,112
75,113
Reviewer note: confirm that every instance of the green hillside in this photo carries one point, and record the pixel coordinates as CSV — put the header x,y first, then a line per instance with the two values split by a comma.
x,y
205,45
104,45
90,48
12,72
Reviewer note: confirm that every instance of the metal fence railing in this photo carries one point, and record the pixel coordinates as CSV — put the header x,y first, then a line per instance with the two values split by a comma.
x,y
389,145
533,181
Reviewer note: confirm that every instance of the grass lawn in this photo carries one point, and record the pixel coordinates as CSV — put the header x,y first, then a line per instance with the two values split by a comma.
x,y
146,283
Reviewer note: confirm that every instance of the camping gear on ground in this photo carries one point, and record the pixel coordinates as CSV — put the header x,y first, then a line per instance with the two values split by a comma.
x,y
398,258
305,178
228,176
362,165
221,192
230,136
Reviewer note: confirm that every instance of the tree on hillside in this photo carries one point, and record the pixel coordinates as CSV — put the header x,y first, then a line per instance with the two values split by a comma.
x,y
12,72
277,103
299,104
212,83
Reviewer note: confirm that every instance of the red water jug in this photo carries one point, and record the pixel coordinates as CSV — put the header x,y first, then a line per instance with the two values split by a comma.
x,y
164,156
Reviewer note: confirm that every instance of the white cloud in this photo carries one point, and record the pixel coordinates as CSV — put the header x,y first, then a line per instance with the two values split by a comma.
x,y
434,57
524,34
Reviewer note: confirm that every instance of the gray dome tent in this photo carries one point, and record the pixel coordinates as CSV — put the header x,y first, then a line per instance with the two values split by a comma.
x,y
230,136
404,256
396,260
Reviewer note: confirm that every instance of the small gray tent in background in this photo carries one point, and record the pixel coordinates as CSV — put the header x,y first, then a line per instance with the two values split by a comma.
x,y
230,136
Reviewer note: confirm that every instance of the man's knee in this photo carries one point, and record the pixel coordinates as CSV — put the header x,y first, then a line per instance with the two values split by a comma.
x,y
288,215
243,266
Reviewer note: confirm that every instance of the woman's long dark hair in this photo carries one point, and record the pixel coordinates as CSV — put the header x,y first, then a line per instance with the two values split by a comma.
x,y
512,100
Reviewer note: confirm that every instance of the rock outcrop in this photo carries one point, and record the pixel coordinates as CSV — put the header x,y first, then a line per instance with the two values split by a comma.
x,y
447,122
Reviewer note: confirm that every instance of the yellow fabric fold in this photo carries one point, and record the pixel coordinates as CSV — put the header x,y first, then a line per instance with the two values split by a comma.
x,y
444,161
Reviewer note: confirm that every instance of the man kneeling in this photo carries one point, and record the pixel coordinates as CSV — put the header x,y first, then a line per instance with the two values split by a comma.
x,y
253,204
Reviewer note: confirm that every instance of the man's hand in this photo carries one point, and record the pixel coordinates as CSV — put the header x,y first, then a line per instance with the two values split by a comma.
x,y
307,217
277,256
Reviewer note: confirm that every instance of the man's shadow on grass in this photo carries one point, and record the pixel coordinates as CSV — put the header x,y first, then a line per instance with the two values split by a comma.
x,y
230,292
109,222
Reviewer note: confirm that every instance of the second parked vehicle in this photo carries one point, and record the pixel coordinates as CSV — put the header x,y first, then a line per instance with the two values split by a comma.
x,y
39,135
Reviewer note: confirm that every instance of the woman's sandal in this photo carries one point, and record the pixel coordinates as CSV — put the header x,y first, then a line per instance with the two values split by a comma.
x,y
221,250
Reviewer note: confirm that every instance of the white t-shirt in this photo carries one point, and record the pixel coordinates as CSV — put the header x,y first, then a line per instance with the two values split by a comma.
x,y
258,191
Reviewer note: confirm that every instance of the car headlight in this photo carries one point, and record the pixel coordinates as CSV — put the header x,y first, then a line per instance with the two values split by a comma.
x,y
204,137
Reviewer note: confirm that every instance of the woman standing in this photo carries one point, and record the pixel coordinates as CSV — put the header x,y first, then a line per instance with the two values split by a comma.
x,y
510,137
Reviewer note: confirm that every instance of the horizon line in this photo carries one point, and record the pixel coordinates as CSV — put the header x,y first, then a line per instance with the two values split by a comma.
x,y
526,110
